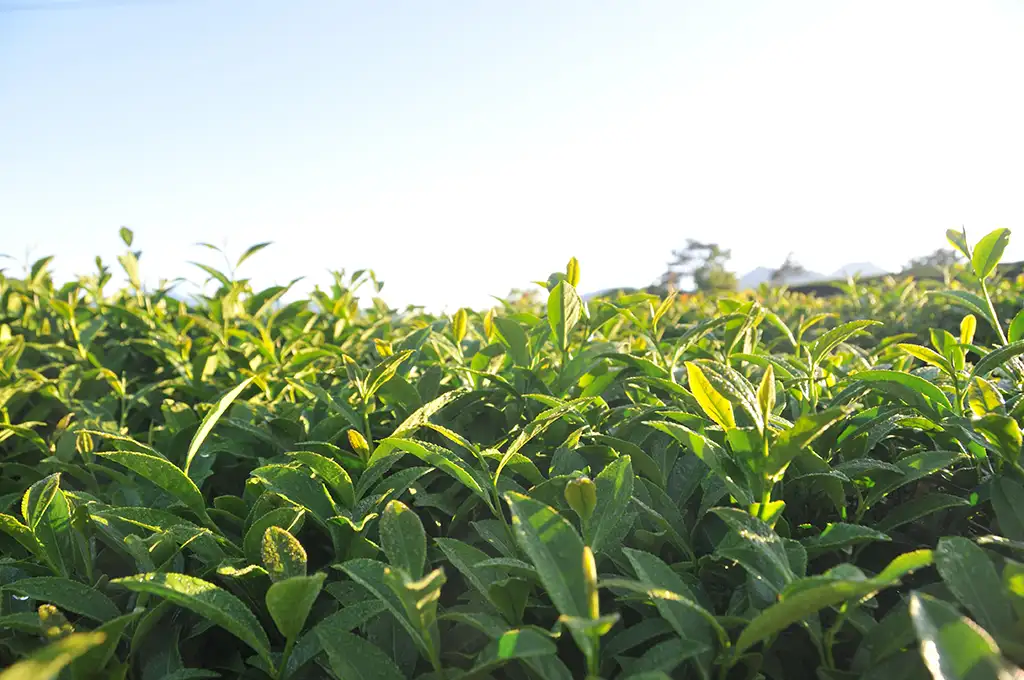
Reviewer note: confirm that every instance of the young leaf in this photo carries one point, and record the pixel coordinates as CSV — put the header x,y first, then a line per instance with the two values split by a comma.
x,y
210,420
988,252
766,395
969,324
283,556
958,239
572,272
460,322
564,307
250,251
711,401
1016,330
829,340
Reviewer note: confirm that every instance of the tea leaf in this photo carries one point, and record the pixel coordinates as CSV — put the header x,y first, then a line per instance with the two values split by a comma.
x,y
204,598
711,401
290,600
403,538
988,252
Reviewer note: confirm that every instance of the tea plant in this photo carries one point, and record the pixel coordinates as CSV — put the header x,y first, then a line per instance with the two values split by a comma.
x,y
759,486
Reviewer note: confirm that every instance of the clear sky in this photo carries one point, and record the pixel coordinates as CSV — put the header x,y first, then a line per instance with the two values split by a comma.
x,y
464,148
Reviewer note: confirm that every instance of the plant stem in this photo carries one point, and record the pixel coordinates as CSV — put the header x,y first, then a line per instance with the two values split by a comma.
x,y
281,675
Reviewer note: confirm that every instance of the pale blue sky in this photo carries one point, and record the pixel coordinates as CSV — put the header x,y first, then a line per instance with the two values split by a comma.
x,y
463,148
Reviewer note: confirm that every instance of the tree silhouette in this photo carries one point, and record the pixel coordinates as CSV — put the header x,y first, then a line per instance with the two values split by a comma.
x,y
704,263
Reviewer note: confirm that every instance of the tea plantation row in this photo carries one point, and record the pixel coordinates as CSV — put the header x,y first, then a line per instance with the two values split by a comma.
x,y
757,486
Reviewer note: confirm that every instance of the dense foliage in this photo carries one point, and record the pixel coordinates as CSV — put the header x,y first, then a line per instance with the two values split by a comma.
x,y
760,486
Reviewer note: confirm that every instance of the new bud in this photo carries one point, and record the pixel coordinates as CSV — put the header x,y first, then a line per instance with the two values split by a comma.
x,y
581,495
358,444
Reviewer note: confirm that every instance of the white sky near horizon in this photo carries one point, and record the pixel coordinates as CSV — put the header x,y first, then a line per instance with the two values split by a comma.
x,y
461,149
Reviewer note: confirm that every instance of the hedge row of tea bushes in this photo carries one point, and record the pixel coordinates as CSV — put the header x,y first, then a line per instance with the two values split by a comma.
x,y
770,486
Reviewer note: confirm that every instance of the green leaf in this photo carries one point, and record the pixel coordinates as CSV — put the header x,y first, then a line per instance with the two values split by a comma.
x,y
913,467
983,398
351,616
290,600
403,539
164,474
210,420
840,535
797,607
443,460
37,499
968,325
513,337
66,594
711,401
564,306
911,389
927,355
972,302
754,545
288,518
556,551
1008,502
22,534
988,251
614,493
829,340
385,371
410,608
810,595
352,658
766,395
688,619
917,508
127,236
97,658
298,487
282,555
218,606
48,662
337,479
954,647
958,239
1016,330
797,438
972,578
250,251
997,358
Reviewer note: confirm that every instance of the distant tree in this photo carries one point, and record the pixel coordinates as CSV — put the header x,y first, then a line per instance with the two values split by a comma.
x,y
789,269
940,259
702,262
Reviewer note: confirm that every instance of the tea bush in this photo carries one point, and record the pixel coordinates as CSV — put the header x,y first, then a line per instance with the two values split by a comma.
x,y
761,486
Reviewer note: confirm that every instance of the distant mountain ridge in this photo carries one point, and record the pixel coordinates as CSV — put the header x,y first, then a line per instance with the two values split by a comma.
x,y
759,275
